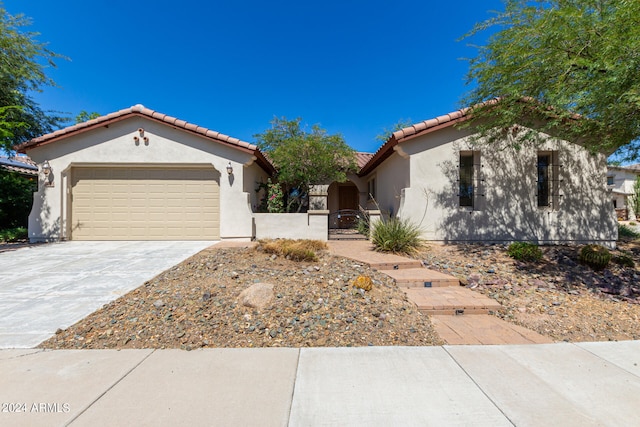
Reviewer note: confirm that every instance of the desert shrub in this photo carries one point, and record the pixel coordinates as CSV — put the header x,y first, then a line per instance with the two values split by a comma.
x,y
396,235
524,251
295,250
363,282
627,232
624,260
13,234
595,256
364,223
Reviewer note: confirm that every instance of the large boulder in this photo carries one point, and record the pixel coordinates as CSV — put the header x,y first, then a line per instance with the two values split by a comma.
x,y
257,296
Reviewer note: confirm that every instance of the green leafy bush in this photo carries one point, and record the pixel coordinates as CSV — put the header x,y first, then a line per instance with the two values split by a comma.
x,y
364,222
524,251
595,256
627,232
13,234
396,235
275,200
16,198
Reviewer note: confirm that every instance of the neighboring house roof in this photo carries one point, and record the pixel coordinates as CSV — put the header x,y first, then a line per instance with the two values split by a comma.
x,y
631,168
20,164
623,193
142,111
411,132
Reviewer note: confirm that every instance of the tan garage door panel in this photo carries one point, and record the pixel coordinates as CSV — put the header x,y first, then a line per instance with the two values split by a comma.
x,y
145,204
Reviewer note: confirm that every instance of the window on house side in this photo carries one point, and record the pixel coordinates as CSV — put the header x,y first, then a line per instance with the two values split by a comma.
x,y
465,187
372,188
610,180
544,179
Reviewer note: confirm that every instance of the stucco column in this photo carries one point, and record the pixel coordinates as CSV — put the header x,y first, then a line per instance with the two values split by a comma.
x,y
318,197
375,216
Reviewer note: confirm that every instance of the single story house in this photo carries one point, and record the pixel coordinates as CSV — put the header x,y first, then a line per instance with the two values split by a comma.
x,y
621,182
139,174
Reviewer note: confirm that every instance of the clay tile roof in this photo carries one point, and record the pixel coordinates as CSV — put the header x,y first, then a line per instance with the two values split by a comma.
x,y
141,110
411,132
127,112
362,159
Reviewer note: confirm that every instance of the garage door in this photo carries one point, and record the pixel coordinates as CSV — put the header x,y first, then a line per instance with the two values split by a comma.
x,y
145,204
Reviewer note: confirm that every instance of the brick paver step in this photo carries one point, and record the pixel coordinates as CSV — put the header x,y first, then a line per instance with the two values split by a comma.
x,y
451,300
362,251
421,278
483,329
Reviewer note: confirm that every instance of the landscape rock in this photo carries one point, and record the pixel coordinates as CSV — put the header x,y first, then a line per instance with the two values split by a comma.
x,y
257,296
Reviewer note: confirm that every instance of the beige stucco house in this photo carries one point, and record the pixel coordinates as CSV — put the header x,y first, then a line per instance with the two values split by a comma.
x,y
621,182
139,174
455,190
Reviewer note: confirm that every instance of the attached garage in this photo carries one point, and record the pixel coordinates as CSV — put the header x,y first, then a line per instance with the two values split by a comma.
x,y
145,203
138,174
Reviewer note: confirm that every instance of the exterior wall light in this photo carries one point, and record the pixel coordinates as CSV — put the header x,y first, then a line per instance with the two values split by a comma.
x,y
47,171
230,169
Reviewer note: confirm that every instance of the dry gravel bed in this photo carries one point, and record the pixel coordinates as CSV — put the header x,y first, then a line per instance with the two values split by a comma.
x,y
557,297
195,304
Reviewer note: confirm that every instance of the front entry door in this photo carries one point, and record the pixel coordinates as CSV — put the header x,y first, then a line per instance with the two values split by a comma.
x,y
348,200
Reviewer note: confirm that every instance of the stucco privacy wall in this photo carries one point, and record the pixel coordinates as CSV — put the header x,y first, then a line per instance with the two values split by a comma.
x,y
114,145
312,225
506,207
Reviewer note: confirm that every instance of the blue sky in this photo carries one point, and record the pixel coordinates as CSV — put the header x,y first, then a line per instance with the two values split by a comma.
x,y
354,67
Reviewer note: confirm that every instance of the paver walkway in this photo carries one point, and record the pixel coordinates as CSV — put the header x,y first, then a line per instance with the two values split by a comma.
x,y
459,315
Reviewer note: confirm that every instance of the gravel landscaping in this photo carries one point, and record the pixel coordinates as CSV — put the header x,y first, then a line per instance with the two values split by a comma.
x,y
557,297
198,303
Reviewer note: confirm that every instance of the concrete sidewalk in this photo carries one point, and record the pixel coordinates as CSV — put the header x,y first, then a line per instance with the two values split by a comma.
x,y
550,384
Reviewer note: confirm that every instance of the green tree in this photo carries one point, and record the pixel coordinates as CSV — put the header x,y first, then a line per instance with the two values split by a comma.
x,y
23,61
85,116
550,59
16,198
304,157
635,198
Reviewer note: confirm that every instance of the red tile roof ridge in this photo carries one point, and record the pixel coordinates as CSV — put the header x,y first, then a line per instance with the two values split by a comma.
x,y
138,109
427,124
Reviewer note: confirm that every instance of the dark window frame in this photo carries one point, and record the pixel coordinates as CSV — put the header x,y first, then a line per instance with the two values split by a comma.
x,y
466,179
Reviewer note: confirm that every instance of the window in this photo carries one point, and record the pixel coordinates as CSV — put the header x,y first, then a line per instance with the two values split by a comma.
x,y
371,188
466,179
610,180
548,178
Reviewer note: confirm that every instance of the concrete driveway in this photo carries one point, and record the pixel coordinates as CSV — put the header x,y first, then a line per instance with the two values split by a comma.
x,y
46,287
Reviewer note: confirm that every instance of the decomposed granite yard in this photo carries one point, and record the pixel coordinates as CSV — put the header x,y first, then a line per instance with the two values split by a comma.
x,y
197,303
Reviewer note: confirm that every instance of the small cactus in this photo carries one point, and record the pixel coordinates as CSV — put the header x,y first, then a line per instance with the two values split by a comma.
x,y
595,256
363,282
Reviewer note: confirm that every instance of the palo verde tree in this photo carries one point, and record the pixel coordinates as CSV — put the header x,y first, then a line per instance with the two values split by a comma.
x,y
23,61
388,131
303,157
571,66
85,116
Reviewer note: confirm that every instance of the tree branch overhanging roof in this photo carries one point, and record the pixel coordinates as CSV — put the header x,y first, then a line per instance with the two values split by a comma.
x,y
410,132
